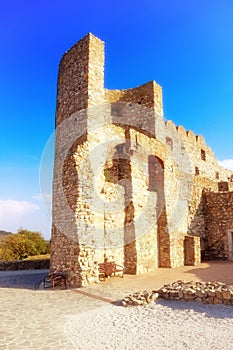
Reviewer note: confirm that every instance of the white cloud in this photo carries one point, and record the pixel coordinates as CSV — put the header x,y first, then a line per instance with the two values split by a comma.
x,y
227,163
22,213
15,208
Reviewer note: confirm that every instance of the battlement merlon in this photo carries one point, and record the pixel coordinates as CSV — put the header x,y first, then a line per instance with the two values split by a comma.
x,y
81,82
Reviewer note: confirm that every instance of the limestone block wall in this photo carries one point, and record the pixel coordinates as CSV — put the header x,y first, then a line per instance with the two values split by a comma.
x,y
206,175
80,85
80,78
219,224
128,186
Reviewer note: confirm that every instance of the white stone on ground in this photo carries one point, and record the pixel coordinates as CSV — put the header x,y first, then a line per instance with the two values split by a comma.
x,y
161,325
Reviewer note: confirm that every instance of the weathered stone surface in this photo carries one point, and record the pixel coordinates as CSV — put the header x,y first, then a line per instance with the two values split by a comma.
x,y
226,295
217,301
219,225
128,186
208,293
140,298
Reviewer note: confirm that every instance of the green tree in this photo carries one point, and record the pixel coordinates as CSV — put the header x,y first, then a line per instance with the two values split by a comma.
x,y
40,243
22,244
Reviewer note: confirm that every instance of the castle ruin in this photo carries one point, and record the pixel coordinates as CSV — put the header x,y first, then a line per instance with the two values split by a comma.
x,y
129,186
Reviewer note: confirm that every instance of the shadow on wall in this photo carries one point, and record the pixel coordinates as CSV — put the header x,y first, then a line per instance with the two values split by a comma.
x,y
156,184
211,249
197,228
120,172
65,249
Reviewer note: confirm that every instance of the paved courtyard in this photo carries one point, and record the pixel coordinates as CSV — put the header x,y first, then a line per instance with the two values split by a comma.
x,y
37,319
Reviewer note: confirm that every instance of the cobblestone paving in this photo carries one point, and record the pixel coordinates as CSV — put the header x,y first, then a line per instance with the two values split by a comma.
x,y
35,319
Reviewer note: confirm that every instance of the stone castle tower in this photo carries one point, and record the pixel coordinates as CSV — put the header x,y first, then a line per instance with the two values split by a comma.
x,y
129,186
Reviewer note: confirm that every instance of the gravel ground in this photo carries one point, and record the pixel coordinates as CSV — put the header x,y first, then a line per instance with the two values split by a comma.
x,y
163,325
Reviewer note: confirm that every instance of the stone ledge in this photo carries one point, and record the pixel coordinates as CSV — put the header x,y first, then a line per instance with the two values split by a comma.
x,y
139,298
207,293
24,265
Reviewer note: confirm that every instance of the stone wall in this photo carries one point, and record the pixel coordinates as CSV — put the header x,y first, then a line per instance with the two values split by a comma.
x,y
128,186
80,81
25,265
207,293
218,225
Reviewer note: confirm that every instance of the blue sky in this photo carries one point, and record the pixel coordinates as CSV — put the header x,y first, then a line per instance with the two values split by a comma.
x,y
186,46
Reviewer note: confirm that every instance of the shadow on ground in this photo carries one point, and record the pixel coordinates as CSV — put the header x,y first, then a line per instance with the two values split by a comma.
x,y
221,271
208,310
21,279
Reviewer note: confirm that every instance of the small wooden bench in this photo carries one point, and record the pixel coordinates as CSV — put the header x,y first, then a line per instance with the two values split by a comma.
x,y
108,269
56,278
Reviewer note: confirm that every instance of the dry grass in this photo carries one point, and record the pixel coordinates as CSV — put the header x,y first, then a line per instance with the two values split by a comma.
x,y
38,257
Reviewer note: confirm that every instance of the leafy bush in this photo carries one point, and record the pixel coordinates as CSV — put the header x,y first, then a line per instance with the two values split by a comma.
x,y
22,244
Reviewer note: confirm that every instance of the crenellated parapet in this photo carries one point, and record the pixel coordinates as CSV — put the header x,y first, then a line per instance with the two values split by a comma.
x,y
204,161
